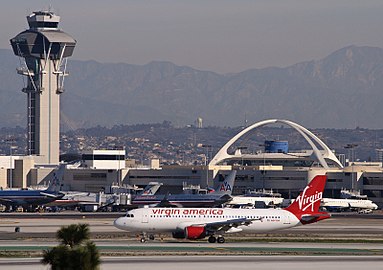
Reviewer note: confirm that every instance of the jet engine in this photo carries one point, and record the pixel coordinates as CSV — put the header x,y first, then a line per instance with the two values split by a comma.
x,y
191,233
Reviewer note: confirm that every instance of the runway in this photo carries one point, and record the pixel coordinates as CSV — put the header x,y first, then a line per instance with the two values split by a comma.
x,y
37,225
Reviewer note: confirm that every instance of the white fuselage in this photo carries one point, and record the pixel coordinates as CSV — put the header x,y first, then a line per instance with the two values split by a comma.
x,y
349,203
172,219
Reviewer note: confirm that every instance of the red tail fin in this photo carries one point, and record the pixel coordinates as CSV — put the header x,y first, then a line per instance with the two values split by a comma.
x,y
308,202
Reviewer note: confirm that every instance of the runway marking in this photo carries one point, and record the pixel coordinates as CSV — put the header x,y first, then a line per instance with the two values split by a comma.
x,y
9,222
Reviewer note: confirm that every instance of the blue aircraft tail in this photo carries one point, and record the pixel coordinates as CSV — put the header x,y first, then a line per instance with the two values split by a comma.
x,y
226,185
57,179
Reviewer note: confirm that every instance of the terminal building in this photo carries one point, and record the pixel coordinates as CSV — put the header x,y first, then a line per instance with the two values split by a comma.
x,y
275,168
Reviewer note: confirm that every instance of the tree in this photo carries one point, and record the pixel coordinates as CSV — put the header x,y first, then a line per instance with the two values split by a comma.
x,y
75,250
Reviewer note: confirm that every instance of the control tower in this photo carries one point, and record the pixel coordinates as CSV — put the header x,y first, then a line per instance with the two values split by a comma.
x,y
43,50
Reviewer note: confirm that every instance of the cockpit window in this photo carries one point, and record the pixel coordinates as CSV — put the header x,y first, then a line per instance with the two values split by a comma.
x,y
130,215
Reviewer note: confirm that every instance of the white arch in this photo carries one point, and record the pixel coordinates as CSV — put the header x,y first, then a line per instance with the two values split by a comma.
x,y
306,134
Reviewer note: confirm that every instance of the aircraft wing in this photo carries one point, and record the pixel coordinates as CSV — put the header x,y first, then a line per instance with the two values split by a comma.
x,y
2,200
226,225
167,203
55,196
338,208
12,201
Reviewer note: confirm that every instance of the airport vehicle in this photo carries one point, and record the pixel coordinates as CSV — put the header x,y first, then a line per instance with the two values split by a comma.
x,y
32,198
219,196
340,205
198,223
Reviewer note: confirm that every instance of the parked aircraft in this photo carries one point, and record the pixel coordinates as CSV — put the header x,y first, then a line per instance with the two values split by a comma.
x,y
348,204
31,198
268,199
92,200
219,196
198,223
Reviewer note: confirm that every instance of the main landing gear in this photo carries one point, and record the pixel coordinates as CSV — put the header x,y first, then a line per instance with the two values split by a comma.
x,y
212,239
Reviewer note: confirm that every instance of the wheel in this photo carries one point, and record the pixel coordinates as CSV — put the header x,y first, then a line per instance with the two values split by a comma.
x,y
151,237
212,239
221,239
142,240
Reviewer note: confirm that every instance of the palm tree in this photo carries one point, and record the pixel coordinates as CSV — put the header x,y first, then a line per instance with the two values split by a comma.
x,y
73,235
75,250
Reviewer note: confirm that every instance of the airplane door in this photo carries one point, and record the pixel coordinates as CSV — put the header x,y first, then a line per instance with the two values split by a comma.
x,y
145,217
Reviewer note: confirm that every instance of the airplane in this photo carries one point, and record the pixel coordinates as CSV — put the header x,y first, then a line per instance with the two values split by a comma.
x,y
31,198
198,223
339,205
269,199
86,199
219,196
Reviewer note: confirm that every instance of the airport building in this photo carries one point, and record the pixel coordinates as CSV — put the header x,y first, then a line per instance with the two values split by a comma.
x,y
276,168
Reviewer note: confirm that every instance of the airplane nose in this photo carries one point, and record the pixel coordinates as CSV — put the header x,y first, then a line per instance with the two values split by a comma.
x,y
120,223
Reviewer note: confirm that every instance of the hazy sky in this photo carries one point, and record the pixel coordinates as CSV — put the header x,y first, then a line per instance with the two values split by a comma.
x,y
217,35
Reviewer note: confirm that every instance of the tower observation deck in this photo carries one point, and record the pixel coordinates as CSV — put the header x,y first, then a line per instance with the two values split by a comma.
x,y
43,50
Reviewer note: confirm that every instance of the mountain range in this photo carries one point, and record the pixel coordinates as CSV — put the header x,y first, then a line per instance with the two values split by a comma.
x,y
342,90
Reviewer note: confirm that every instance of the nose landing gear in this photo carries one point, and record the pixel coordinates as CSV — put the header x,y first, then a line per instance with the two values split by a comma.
x,y
143,237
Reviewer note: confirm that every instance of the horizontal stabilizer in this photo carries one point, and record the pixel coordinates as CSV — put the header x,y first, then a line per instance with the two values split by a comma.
x,y
311,218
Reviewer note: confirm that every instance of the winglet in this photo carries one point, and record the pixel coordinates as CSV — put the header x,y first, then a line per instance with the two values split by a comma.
x,y
306,205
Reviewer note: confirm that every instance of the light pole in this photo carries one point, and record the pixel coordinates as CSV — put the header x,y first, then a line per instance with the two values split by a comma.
x,y
351,152
118,172
11,165
351,156
264,164
240,148
207,146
